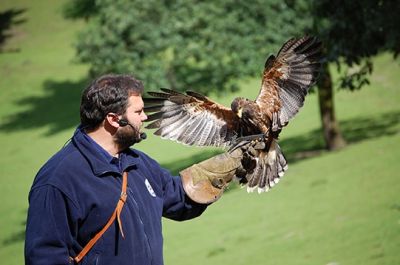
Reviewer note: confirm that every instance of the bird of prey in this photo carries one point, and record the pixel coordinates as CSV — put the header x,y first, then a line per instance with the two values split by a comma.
x,y
194,119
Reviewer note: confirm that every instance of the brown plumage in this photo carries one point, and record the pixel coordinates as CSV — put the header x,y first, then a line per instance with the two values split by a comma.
x,y
194,119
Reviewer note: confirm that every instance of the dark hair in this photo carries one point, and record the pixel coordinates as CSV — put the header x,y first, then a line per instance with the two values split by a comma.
x,y
108,93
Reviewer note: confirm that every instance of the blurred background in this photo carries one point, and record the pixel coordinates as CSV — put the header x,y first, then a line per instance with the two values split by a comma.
x,y
339,202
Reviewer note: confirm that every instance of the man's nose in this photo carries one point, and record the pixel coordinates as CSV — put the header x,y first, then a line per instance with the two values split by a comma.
x,y
144,117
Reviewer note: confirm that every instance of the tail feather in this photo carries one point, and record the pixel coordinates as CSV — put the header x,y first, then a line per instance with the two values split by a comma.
x,y
271,166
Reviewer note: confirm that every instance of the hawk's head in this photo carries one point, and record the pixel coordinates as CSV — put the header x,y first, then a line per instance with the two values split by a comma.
x,y
238,105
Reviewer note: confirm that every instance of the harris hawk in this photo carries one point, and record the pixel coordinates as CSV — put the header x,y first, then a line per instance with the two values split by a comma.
x,y
194,119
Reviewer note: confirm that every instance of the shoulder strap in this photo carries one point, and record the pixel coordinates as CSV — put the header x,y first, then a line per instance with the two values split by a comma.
x,y
115,214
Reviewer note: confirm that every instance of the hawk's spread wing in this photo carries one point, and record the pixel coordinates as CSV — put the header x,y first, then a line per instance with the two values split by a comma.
x,y
190,118
287,79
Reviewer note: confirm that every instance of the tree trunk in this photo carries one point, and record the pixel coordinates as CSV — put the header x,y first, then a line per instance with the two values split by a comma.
x,y
333,137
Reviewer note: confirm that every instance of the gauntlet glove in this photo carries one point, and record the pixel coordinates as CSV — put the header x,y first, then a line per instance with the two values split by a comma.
x,y
205,182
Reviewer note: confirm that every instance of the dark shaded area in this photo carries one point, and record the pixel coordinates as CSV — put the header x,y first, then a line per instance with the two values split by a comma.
x,y
8,19
17,236
216,251
58,108
371,127
395,207
354,130
14,238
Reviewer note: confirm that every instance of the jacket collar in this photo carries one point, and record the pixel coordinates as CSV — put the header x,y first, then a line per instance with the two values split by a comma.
x,y
99,162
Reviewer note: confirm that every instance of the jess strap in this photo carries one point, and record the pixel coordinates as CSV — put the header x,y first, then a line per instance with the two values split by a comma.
x,y
115,214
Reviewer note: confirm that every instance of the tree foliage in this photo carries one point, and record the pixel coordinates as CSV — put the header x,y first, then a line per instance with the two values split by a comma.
x,y
200,45
208,45
80,9
353,32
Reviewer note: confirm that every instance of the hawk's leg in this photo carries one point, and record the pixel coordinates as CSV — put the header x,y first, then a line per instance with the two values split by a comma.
x,y
241,141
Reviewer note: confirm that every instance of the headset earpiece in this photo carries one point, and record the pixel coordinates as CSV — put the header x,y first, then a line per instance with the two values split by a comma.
x,y
122,122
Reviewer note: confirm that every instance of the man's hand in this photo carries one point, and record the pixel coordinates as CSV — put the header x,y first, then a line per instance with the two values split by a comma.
x,y
206,181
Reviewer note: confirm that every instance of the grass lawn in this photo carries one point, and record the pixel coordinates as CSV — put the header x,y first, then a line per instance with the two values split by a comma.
x,y
332,208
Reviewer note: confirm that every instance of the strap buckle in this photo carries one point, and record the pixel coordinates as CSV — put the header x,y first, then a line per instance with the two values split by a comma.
x,y
123,196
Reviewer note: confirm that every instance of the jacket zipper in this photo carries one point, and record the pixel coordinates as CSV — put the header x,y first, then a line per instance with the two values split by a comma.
x,y
142,223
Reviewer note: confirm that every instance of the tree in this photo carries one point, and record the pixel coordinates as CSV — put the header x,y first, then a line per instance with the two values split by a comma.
x,y
75,9
209,45
352,32
201,45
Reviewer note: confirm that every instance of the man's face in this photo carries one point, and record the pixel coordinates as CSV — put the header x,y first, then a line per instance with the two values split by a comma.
x,y
128,135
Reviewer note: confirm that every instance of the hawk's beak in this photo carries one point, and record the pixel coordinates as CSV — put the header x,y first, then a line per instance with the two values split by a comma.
x,y
239,113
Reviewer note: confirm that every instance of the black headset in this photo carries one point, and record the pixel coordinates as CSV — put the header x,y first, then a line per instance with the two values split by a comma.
x,y
123,123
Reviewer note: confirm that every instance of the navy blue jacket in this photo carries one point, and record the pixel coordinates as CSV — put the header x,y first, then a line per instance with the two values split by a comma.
x,y
77,190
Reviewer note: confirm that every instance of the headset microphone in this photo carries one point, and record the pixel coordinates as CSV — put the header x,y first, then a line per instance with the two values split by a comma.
x,y
143,136
123,123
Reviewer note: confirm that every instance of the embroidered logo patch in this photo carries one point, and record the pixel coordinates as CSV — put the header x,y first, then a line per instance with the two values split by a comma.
x,y
149,188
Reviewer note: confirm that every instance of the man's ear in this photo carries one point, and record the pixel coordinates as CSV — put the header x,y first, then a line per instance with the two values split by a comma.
x,y
112,119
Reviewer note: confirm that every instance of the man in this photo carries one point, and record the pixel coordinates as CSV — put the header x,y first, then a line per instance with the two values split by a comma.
x,y
79,210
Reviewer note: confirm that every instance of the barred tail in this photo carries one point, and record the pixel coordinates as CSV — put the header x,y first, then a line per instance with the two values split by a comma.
x,y
271,166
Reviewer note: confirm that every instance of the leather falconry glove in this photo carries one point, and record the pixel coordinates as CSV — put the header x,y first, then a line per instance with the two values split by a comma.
x,y
206,181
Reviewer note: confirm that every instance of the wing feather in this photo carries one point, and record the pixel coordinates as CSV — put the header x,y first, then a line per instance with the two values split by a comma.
x,y
172,125
206,130
190,118
288,77
213,136
195,135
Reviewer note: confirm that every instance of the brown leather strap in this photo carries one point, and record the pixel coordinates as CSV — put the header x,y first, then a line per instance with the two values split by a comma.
x,y
116,214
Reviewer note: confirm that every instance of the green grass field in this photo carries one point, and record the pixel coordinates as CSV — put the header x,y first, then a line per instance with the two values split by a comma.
x,y
332,208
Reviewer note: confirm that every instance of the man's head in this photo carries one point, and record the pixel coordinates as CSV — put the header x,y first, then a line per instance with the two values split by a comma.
x,y
110,99
107,94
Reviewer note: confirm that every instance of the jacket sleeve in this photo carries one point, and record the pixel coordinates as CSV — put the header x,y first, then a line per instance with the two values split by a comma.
x,y
177,205
48,228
